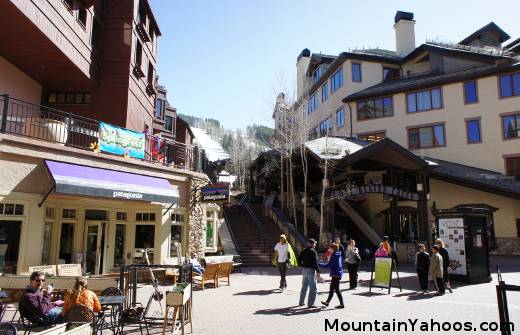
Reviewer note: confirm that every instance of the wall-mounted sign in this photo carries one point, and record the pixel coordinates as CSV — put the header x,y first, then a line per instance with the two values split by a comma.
x,y
121,141
215,192
365,189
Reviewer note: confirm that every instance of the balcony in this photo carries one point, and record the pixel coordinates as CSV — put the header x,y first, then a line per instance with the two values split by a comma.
x,y
150,89
22,118
143,32
138,72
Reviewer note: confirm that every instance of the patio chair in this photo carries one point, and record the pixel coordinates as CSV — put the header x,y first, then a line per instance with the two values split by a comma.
x,y
224,272
2,310
7,329
81,313
210,273
107,311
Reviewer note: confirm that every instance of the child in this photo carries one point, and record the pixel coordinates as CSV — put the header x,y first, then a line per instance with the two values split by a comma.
x,y
422,265
335,265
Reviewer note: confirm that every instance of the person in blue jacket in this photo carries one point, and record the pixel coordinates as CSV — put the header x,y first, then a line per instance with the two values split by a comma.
x,y
335,265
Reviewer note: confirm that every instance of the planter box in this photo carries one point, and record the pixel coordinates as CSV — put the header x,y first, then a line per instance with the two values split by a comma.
x,y
179,295
68,329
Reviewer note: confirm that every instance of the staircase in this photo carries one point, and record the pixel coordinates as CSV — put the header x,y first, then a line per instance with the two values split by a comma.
x,y
254,251
360,223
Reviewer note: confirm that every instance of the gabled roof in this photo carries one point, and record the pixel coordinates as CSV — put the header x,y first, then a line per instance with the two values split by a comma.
x,y
428,80
490,27
457,50
334,147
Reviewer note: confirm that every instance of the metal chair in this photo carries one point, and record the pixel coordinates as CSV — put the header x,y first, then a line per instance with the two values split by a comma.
x,y
81,313
109,311
2,310
7,329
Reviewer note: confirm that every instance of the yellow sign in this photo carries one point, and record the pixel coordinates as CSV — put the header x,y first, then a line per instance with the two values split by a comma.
x,y
383,272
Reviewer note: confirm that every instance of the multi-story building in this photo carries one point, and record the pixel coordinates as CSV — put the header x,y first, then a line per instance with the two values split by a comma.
x,y
452,101
68,68
165,115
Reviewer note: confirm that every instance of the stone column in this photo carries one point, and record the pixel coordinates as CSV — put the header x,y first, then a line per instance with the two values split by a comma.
x,y
196,220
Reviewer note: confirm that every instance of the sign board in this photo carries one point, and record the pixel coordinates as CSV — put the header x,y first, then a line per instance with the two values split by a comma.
x,y
366,189
382,272
120,141
451,232
215,192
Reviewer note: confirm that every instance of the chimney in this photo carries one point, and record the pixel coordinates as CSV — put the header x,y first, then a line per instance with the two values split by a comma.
x,y
302,64
404,33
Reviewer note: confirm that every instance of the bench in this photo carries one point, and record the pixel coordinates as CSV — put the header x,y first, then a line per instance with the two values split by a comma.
x,y
210,274
235,259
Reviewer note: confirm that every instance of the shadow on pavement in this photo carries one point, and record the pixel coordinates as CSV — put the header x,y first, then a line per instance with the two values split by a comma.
x,y
289,311
259,292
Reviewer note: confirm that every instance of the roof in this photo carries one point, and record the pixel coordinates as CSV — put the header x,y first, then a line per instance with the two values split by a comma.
x,y
490,27
333,147
213,149
429,80
453,49
152,17
484,180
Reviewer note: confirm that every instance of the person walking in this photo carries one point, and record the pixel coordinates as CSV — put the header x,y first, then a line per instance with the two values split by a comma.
x,y
353,260
282,259
436,270
308,260
422,266
445,263
335,265
341,248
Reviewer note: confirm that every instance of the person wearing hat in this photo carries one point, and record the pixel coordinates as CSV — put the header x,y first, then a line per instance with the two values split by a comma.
x,y
308,260
282,259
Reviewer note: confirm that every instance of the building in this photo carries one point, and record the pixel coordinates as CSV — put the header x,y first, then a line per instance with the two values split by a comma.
x,y
165,116
70,70
421,97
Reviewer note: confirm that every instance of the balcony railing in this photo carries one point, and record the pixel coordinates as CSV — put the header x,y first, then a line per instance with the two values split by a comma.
x,y
55,126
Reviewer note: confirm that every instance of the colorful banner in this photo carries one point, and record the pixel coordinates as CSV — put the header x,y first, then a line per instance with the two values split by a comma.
x,y
215,192
383,272
451,232
120,141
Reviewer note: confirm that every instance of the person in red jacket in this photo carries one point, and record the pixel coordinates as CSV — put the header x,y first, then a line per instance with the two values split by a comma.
x,y
35,304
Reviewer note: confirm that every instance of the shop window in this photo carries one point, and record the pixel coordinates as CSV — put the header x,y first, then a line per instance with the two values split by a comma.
x,y
145,217
50,212
68,213
209,233
121,216
47,243
66,242
178,218
9,245
119,245
11,209
175,237
144,239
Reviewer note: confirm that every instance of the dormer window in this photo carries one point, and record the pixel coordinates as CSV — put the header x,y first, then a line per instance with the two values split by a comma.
x,y
316,74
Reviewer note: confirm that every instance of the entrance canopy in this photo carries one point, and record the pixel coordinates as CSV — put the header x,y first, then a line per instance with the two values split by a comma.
x,y
90,181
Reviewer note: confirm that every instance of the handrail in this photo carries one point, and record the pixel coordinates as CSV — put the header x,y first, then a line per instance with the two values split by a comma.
x,y
256,222
237,248
287,227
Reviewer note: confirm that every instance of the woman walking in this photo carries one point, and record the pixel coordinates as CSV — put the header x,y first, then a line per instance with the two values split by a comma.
x,y
336,272
422,266
445,263
353,261
436,270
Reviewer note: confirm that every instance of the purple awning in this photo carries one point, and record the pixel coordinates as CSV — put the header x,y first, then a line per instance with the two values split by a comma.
x,y
91,181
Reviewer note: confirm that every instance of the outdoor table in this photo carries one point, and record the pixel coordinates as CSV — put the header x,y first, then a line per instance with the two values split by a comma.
x,y
115,302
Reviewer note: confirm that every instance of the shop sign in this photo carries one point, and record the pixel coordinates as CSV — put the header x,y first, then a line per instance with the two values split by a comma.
x,y
451,232
366,189
121,141
382,272
215,192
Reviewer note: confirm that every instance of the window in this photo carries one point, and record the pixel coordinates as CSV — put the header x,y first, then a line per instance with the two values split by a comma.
x,y
68,98
176,233
121,216
313,103
390,73
68,213
470,92
510,85
424,100
96,32
375,109
69,4
82,15
66,242
316,74
356,72
145,217
325,127
372,137
159,107
168,123
47,243
150,74
144,237
10,237
336,81
138,54
177,218
340,118
50,212
513,167
325,92
11,209
119,245
511,126
473,131
426,137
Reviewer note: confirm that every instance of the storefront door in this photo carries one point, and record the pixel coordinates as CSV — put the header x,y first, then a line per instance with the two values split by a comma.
x,y
94,246
9,245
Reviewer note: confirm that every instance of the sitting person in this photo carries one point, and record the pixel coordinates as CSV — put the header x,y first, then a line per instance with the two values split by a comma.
x,y
35,304
197,268
80,295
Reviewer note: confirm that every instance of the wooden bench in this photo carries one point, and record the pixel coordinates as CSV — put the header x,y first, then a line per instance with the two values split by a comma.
x,y
210,274
235,259
224,272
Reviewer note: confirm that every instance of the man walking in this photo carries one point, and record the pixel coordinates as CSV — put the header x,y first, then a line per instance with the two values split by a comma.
x,y
282,258
308,260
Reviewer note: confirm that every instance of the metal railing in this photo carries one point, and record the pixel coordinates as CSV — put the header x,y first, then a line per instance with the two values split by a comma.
x,y
257,223
49,124
237,248
295,237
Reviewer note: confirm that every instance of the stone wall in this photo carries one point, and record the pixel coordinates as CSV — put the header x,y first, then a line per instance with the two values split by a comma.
x,y
507,246
197,221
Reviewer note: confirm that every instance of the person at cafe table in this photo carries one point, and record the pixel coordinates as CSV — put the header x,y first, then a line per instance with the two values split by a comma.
x,y
80,295
35,304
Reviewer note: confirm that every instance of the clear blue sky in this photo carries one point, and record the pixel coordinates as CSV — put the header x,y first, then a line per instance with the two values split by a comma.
x,y
223,58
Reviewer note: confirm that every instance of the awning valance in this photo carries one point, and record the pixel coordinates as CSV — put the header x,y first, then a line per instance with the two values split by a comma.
x,y
91,181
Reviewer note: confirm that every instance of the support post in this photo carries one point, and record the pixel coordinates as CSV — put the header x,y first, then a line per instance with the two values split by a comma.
x,y
3,125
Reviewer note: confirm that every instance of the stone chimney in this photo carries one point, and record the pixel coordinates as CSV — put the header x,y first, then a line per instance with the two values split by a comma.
x,y
302,64
404,33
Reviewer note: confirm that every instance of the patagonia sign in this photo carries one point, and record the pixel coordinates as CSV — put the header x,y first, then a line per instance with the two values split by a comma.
x,y
127,195
366,189
215,192
121,141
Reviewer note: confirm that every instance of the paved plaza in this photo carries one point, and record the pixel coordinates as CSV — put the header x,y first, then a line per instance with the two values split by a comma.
x,y
252,305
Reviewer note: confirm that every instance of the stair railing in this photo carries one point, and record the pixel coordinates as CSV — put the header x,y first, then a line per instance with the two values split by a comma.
x,y
237,248
257,223
295,237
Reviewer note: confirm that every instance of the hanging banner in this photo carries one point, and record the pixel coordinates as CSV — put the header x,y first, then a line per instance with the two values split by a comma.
x,y
383,272
121,141
215,192
451,232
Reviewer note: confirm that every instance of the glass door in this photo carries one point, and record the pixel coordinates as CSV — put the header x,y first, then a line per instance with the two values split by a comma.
x,y
94,246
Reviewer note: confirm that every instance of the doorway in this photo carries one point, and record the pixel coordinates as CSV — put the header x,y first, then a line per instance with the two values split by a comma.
x,y
9,245
95,245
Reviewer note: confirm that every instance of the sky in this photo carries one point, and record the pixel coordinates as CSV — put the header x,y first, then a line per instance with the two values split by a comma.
x,y
228,59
